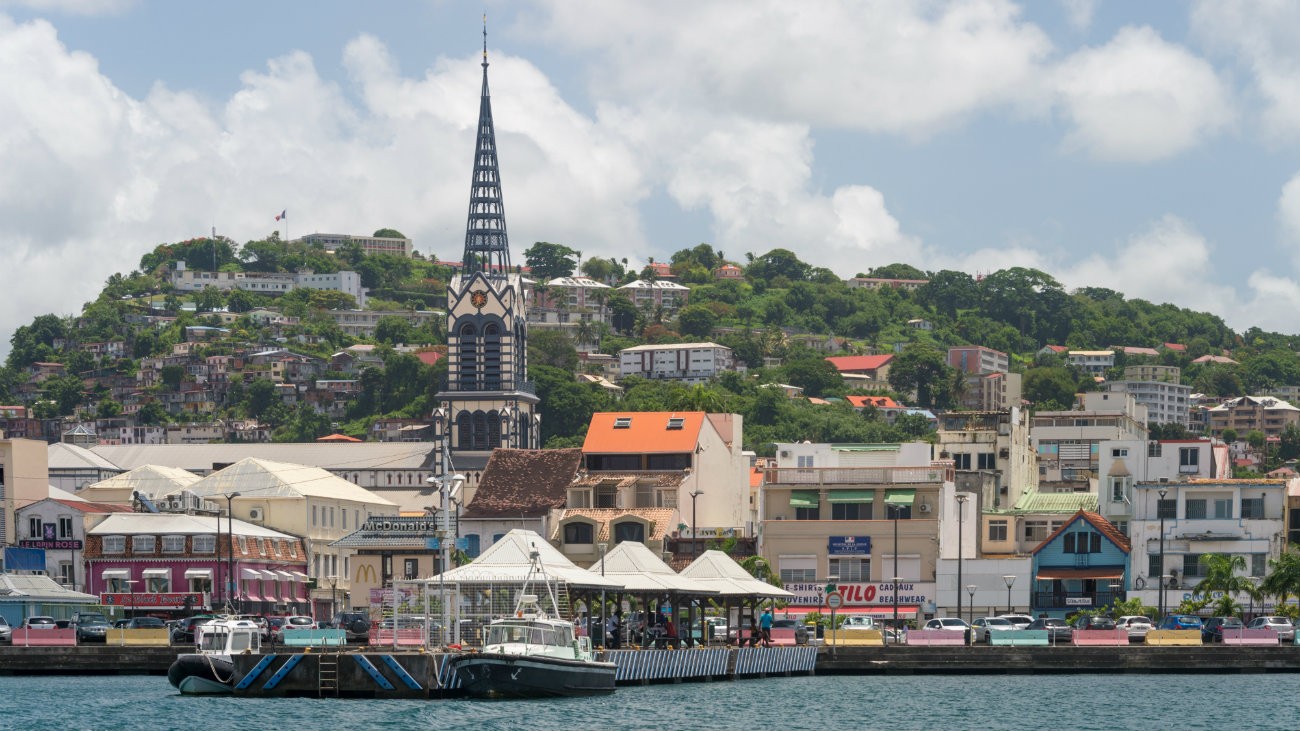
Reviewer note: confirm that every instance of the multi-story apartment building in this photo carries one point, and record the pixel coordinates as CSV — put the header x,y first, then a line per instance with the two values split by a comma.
x,y
1167,374
57,525
991,454
1068,442
661,292
24,479
1253,413
977,359
909,285
191,280
858,515
687,362
991,392
1092,361
369,244
1124,463
362,323
1166,403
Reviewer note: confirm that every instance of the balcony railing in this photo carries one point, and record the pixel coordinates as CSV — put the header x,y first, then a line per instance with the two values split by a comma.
x,y
1074,599
856,475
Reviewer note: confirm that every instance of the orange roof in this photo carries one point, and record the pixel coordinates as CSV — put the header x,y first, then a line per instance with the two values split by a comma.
x,y
850,363
642,432
429,357
756,476
880,402
338,438
1103,526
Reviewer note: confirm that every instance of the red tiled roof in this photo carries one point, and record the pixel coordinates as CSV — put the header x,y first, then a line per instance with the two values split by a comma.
x,y
87,507
1178,347
647,432
660,519
880,402
853,363
756,476
1103,526
524,482
429,357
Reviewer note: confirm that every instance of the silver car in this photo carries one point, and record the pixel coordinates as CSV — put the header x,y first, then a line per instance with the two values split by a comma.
x,y
6,631
1281,625
1136,625
982,626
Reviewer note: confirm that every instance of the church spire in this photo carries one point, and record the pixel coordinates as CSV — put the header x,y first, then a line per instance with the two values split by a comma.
x,y
486,246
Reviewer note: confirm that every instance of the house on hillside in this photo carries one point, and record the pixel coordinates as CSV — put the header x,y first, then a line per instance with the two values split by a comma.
x,y
863,367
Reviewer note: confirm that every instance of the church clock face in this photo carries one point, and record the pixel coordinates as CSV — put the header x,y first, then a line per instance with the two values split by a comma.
x,y
478,298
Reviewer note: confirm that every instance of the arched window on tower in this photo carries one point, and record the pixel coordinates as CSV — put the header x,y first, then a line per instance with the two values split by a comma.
x,y
493,429
467,367
463,430
491,357
480,438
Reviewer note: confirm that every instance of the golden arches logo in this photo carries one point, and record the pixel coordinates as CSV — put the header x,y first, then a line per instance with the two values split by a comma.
x,y
366,574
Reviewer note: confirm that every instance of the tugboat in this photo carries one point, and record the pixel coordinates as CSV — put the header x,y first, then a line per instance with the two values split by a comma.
x,y
531,655
211,671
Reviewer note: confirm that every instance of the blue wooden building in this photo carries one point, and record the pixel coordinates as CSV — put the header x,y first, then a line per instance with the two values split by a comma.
x,y
1084,564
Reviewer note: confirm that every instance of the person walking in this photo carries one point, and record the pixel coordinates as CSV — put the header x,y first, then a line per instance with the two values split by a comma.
x,y
765,624
612,626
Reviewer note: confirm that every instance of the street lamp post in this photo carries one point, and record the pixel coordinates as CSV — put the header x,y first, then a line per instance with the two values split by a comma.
x,y
961,514
334,600
1009,579
970,589
1160,510
896,509
230,553
695,540
1254,582
131,585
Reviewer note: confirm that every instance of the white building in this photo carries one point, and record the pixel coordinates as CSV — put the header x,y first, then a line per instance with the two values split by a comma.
x,y
1166,403
1092,361
688,362
647,295
1068,442
1124,463
191,280
362,323
58,526
369,244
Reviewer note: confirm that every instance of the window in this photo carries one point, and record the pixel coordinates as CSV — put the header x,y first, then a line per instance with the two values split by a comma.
x,y
1258,564
1118,489
798,569
676,423
850,511
1154,569
807,514
205,544
623,422
1153,449
1035,531
997,530
1119,452
65,526
114,544
1252,507
1122,526
987,461
1085,542
1194,509
173,544
806,460
579,533
1166,508
579,499
1189,457
629,531
1223,508
313,515
410,568
1192,565
851,569
157,584
35,528
143,544
961,461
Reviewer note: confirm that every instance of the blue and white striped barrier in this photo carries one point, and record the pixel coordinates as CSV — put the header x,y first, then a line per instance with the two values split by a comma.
x,y
775,660
638,665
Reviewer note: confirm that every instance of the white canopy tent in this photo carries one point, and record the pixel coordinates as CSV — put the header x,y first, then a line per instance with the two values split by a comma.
x,y
640,571
718,570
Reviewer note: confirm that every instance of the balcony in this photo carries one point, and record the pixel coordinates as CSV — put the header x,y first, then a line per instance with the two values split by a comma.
x,y
856,475
1075,599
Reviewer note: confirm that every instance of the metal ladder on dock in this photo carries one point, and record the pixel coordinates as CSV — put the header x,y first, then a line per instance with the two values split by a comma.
x,y
327,674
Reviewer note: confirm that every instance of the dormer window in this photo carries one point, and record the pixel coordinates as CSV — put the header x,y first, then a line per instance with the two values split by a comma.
x,y
676,422
623,422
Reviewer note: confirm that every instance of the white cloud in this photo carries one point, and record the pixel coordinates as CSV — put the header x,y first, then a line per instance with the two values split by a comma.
x,y
896,67
1079,12
1265,37
1139,98
72,7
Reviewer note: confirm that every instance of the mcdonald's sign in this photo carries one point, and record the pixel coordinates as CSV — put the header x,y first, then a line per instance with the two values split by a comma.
x,y
366,574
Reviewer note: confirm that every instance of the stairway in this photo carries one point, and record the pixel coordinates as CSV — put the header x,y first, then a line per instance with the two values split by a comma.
x,y
327,674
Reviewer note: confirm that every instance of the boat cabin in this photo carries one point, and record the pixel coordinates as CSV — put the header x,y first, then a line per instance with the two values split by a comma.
x,y
230,637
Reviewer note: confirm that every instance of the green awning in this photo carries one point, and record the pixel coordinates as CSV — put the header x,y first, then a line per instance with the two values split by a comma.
x,y
902,498
804,499
852,496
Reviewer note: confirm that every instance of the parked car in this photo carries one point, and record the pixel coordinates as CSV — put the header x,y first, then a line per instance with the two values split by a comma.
x,y
39,622
800,631
357,625
948,623
859,621
6,631
184,630
1057,629
1091,621
289,622
713,627
120,623
144,623
261,622
91,626
1181,621
1136,625
1021,621
982,626
1212,629
1282,625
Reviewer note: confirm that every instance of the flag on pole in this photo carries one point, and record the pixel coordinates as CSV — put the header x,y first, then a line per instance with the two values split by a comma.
x,y
282,215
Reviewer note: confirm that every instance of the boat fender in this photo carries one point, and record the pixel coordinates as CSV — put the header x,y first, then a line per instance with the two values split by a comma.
x,y
453,647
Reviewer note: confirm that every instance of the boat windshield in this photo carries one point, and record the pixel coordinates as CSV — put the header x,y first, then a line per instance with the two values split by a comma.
x,y
529,634
215,640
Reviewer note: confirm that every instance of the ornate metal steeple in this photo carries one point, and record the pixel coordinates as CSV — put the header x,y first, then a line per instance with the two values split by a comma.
x,y
486,246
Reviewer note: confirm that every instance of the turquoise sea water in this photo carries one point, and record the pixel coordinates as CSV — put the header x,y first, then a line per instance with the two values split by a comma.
x,y
980,703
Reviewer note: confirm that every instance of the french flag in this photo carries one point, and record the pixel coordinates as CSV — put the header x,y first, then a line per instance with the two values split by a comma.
x,y
283,215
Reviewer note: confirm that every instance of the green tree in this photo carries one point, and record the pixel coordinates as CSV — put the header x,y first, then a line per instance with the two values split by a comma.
x,y
696,320
1050,389
549,261
778,263
552,348
388,233
393,330
258,397
1283,579
151,413
814,374
897,271
1229,435
1223,572
920,369
172,376
568,405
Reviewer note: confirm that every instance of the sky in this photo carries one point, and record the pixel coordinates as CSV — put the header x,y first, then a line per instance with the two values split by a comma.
x,y
1150,148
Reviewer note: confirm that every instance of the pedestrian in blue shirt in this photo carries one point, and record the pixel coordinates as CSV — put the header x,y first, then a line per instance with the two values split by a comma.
x,y
765,624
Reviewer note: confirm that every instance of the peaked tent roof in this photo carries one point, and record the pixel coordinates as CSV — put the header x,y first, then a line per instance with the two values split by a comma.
x,y
40,588
640,571
150,480
507,561
260,478
719,571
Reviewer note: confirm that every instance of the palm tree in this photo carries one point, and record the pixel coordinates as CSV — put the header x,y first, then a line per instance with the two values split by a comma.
x,y
1283,580
1221,574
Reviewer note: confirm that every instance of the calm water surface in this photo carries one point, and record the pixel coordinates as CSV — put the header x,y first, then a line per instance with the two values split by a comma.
x,y
983,703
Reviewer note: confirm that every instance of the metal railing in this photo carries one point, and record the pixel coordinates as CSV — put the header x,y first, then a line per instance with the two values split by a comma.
x,y
856,475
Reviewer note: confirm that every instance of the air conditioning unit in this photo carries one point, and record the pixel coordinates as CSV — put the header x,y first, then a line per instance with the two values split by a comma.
x,y
924,507
1004,453
785,454
176,503
255,514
